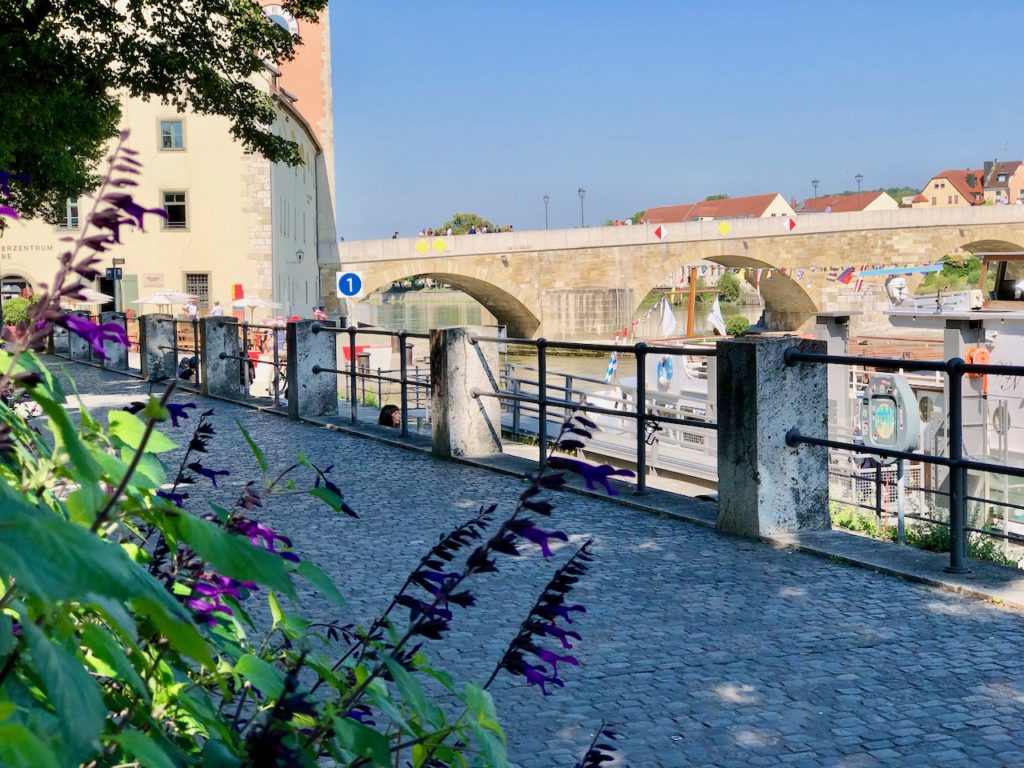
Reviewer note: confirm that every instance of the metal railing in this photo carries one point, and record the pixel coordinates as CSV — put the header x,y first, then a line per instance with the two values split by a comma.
x,y
256,341
184,340
644,419
955,461
418,383
132,323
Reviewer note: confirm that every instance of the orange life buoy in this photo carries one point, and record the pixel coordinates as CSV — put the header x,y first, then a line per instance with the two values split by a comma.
x,y
978,356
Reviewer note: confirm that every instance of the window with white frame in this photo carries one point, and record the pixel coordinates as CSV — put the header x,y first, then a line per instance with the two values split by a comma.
x,y
70,220
177,215
172,135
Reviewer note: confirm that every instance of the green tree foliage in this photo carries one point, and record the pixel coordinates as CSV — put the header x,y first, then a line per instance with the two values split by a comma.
x,y
737,326
16,311
462,222
729,287
638,216
898,193
717,197
960,271
75,57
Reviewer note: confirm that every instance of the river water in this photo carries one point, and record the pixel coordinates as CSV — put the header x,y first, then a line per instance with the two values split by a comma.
x,y
419,311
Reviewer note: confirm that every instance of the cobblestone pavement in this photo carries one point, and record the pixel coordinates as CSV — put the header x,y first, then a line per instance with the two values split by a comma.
x,y
705,650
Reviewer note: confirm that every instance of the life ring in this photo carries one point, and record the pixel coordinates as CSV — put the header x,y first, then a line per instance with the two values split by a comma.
x,y
664,372
978,356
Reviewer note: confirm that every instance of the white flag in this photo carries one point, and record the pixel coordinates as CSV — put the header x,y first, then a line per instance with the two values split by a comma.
x,y
716,319
668,319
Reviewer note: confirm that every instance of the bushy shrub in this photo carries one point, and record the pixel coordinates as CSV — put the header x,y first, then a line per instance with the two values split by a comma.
x,y
729,287
16,310
737,326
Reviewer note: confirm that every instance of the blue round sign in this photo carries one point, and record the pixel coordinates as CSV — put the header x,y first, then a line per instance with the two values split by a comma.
x,y
349,284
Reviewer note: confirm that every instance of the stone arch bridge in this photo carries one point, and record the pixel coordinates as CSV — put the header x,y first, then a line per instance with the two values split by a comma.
x,y
586,283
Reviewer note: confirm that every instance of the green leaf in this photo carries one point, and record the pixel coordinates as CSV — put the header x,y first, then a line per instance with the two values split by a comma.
x,y
265,678
260,458
66,436
312,573
130,429
363,741
154,411
233,555
480,707
20,748
329,497
276,613
106,649
411,689
143,750
7,637
7,709
71,691
216,754
491,749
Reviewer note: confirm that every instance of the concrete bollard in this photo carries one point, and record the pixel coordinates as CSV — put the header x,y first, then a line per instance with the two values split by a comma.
x,y
156,347
220,344
117,354
79,348
463,425
312,391
766,488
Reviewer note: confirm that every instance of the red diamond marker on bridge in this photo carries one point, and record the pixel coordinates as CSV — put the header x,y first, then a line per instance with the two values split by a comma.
x,y
789,224
660,232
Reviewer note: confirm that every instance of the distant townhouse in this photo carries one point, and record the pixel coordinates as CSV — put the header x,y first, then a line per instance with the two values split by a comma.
x,y
1004,182
952,188
876,200
749,207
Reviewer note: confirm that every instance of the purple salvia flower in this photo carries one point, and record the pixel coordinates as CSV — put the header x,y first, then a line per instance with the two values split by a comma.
x,y
6,179
11,213
95,334
132,209
178,411
177,499
552,658
532,533
211,474
592,473
563,635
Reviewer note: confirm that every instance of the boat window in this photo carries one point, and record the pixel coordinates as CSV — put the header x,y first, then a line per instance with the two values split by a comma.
x,y
1011,281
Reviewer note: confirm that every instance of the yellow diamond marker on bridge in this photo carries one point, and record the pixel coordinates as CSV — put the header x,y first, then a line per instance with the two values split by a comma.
x,y
439,245
724,228
422,246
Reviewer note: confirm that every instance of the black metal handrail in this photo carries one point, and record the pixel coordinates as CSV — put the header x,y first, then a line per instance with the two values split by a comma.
x,y
354,374
640,350
958,465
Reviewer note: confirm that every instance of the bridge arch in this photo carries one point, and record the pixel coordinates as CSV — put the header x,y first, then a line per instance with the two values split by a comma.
x,y
991,246
520,320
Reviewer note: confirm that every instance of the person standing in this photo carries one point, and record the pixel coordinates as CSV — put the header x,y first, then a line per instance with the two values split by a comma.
x,y
218,310
193,309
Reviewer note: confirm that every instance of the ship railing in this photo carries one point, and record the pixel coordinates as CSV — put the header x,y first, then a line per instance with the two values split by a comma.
x,y
556,401
955,461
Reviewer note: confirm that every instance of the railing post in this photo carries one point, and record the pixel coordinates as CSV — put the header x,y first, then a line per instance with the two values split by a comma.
x,y
463,423
275,382
766,488
353,381
155,352
244,376
878,491
195,349
542,397
117,354
957,474
640,349
403,374
312,361
174,345
219,346
79,348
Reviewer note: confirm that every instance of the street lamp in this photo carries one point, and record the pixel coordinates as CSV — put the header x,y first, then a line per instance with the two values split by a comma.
x,y
859,177
547,198
582,193
815,183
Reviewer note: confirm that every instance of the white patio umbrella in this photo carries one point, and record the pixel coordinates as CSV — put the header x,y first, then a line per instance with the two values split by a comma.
x,y
252,302
165,298
91,296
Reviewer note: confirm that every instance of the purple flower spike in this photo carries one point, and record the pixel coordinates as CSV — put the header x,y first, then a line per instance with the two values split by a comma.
x,y
95,334
532,533
6,210
133,209
210,474
553,658
6,179
178,411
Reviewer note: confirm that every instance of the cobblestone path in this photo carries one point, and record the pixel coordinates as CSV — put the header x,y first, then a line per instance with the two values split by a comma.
x,y
703,649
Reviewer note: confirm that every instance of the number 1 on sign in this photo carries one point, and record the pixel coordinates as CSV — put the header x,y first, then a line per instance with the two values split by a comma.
x,y
350,284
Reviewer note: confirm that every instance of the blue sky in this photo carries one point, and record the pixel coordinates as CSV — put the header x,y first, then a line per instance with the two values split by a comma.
x,y
485,106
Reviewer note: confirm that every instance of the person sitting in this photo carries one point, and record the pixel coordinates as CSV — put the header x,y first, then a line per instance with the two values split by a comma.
x,y
390,416
188,368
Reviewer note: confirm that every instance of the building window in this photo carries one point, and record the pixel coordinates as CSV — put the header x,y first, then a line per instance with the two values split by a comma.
x,y
933,201
174,204
198,284
1001,177
70,220
172,134
956,199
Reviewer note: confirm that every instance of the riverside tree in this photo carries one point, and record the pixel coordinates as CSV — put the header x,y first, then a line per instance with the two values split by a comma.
x,y
77,57
461,223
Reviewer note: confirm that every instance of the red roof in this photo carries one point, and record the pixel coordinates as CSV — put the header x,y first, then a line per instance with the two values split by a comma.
x,y
958,178
840,203
751,206
920,199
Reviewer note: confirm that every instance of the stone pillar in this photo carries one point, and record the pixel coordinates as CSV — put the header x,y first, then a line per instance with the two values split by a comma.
x,y
219,375
463,425
117,354
766,488
834,329
312,391
156,347
79,348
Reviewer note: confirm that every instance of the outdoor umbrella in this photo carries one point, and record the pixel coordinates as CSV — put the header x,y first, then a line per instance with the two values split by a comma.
x,y
252,302
165,298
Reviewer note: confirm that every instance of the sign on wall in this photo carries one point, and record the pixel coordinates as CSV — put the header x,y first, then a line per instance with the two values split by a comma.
x,y
349,284
153,280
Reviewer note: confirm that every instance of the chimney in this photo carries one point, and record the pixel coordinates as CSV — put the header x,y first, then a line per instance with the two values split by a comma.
x,y
792,202
988,168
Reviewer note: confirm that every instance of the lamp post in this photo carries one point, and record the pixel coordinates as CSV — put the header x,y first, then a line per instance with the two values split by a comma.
x,y
815,183
582,193
859,177
547,198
